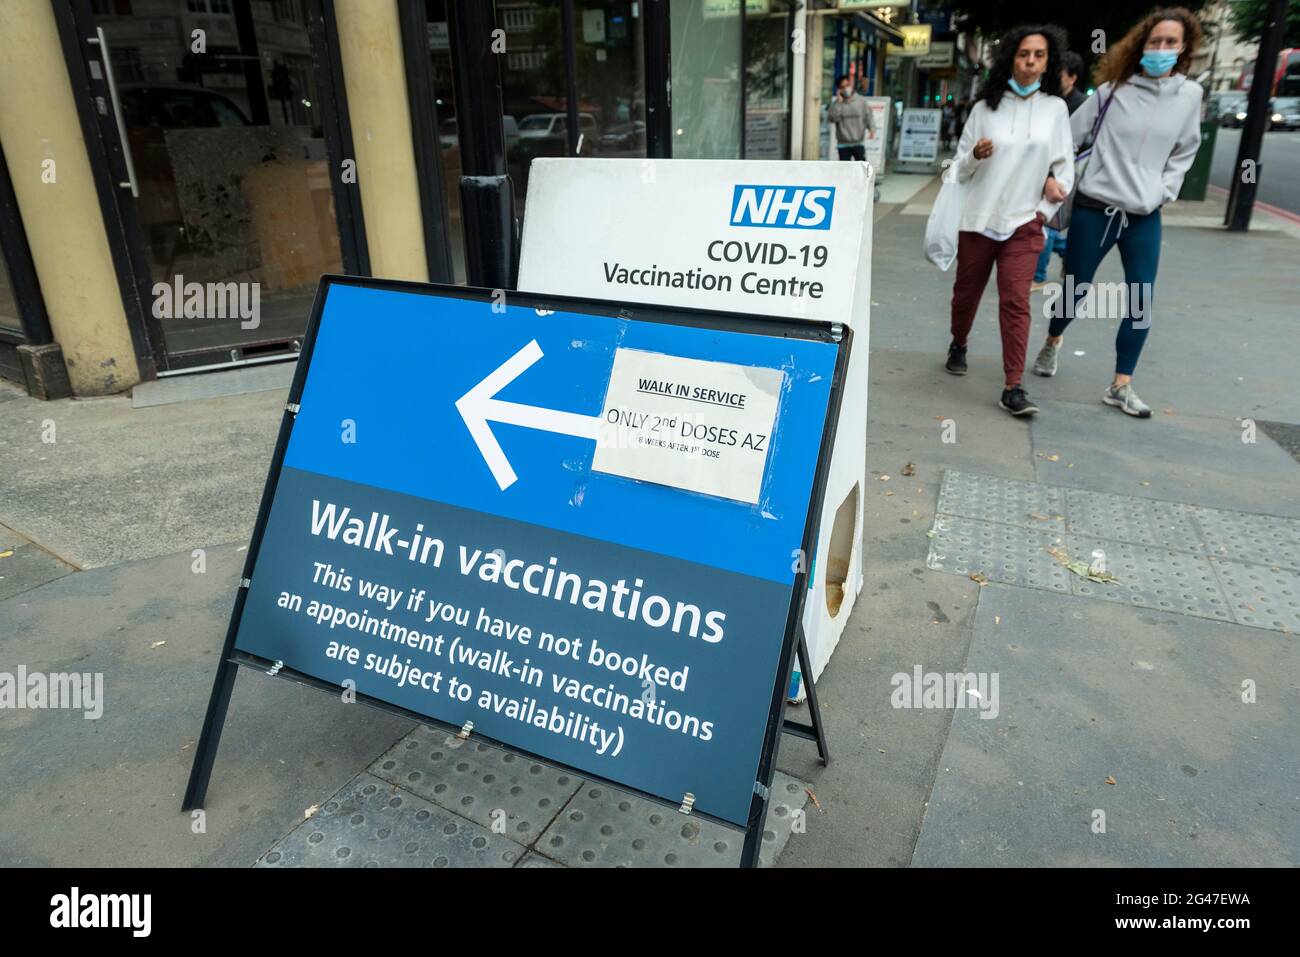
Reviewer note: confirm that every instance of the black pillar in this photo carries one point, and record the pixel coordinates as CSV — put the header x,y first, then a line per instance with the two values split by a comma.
x,y
486,193
658,80
1241,198
259,113
573,130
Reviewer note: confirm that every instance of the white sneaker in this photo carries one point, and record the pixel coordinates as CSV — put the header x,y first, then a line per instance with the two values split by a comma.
x,y
1126,400
1045,364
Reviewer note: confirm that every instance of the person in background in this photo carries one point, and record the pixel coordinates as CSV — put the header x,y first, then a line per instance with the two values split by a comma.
x,y
1071,70
1017,161
1147,141
948,122
851,115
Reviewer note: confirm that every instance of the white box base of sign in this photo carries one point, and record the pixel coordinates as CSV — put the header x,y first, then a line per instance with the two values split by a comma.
x,y
583,214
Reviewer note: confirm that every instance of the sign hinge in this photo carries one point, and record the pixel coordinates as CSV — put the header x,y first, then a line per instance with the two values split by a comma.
x,y
245,582
688,803
292,407
275,668
837,331
465,730
762,790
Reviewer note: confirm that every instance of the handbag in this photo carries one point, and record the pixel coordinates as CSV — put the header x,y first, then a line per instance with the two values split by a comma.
x,y
1061,221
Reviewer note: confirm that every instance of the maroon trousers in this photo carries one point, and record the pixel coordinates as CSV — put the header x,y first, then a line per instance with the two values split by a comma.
x,y
1016,257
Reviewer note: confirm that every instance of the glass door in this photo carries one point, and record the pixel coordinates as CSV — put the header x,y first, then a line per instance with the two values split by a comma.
x,y
214,106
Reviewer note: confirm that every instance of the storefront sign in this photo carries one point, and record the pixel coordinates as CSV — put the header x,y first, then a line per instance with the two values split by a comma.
x,y
919,140
940,55
883,118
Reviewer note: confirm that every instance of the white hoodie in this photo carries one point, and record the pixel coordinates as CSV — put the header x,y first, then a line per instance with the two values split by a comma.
x,y
1146,144
1031,137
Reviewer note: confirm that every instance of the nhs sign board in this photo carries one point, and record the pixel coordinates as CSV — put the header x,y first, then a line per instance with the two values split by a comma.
x,y
782,207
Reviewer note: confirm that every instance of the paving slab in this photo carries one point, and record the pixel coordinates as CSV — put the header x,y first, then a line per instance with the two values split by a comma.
x,y
120,484
107,791
1092,692
372,823
24,566
1186,572
1196,461
604,827
489,785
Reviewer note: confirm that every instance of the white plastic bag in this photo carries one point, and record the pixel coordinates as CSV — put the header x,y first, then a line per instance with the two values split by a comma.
x,y
945,218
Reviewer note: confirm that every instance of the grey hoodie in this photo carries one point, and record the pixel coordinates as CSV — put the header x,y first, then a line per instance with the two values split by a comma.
x,y
1146,144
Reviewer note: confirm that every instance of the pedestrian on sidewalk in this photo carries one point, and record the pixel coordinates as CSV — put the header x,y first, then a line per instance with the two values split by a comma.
x,y
948,123
1071,70
1148,137
1016,160
851,115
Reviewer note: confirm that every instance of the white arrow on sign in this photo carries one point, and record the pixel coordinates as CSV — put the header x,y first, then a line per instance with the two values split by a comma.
x,y
479,406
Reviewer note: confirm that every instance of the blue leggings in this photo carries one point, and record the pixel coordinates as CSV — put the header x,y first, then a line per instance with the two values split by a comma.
x,y
1092,234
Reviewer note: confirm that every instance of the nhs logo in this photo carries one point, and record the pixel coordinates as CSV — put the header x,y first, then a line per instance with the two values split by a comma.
x,y
784,207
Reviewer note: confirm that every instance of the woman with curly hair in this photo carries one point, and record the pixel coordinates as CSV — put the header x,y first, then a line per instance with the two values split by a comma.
x,y
1146,119
1016,159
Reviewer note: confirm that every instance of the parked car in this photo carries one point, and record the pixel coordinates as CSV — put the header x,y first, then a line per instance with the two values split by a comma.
x,y
1228,108
624,137
543,134
449,134
1284,113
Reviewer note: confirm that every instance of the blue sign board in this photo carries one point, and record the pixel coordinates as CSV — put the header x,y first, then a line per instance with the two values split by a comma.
x,y
471,565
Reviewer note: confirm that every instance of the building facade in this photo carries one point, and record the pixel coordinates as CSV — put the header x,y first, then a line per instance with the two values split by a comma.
x,y
175,175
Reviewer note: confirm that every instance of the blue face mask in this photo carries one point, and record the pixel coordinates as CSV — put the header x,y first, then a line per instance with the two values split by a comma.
x,y
1159,62
1023,90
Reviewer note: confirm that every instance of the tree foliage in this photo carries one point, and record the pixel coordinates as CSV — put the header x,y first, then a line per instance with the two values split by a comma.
x,y
1248,18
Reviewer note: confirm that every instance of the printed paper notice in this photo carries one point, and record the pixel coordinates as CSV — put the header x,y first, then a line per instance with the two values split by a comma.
x,y
692,424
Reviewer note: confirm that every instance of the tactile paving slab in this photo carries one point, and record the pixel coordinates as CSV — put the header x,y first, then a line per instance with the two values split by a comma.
x,y
1189,559
1262,596
1250,537
1151,577
371,823
502,791
1008,501
602,827
1126,518
1010,554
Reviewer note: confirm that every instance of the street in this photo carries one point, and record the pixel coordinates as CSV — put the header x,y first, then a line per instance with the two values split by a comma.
x,y
1279,169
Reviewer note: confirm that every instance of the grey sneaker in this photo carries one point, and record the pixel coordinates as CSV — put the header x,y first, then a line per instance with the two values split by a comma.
x,y
1126,400
1045,364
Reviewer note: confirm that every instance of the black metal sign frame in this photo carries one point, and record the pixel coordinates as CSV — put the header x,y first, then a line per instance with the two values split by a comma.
x,y
793,642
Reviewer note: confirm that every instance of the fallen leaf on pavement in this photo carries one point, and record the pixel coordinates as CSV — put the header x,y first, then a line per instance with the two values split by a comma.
x,y
997,619
310,811
909,469
1109,779
1080,568
883,478
6,553
979,577
1051,458
157,644
809,792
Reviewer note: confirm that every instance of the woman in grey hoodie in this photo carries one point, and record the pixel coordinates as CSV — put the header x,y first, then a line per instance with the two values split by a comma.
x,y
1144,123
